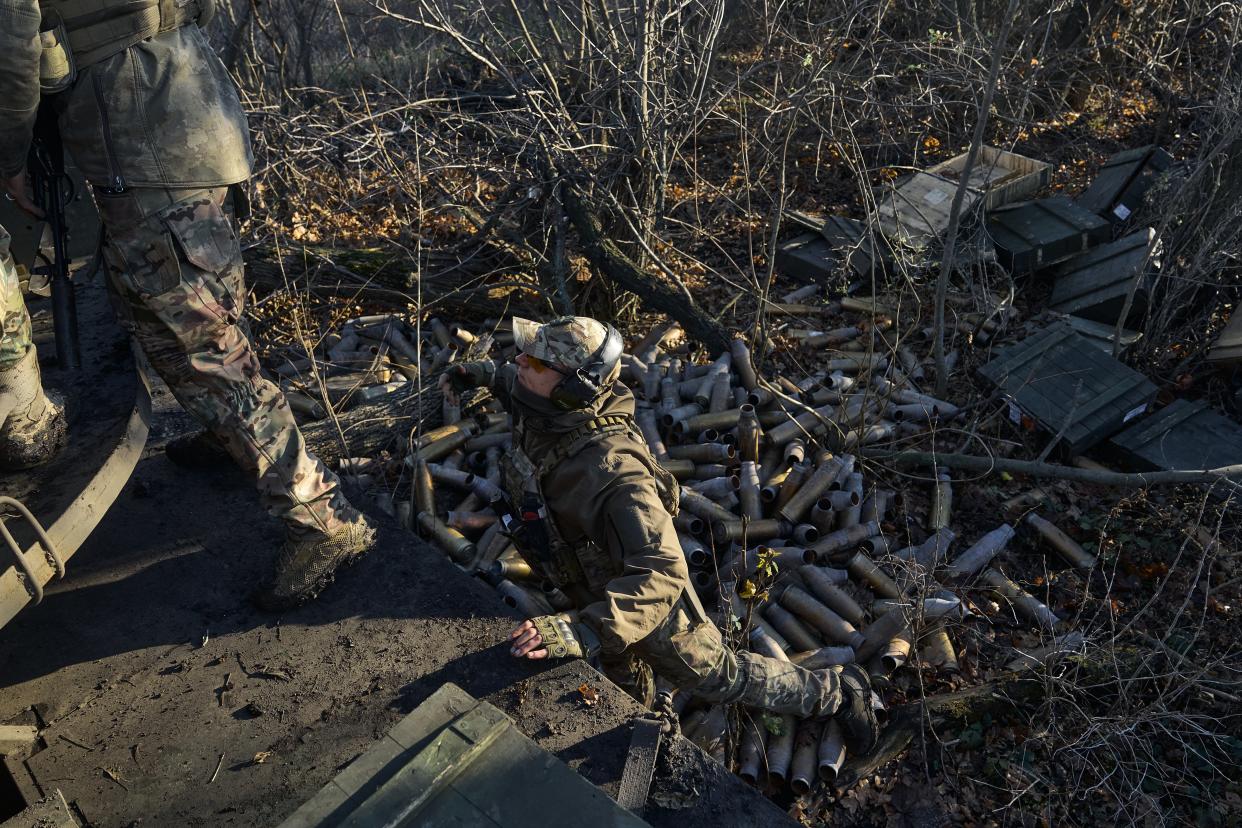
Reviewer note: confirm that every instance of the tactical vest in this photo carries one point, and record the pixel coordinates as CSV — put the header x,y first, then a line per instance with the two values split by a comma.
x,y
95,30
585,566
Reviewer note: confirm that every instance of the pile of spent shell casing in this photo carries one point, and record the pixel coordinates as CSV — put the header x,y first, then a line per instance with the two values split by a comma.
x,y
802,559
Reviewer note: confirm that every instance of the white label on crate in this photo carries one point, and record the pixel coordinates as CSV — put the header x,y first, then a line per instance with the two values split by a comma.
x,y
935,196
1015,414
1121,211
1134,412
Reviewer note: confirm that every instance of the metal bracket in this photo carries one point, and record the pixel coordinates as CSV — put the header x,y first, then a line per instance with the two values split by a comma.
x,y
32,580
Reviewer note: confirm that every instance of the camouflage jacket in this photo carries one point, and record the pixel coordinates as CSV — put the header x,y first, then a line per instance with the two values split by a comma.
x,y
161,113
604,502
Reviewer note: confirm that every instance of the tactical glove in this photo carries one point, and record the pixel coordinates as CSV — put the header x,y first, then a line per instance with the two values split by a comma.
x,y
469,375
565,640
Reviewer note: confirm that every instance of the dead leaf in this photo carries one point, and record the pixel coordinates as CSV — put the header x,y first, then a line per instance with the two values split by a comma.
x,y
590,695
261,757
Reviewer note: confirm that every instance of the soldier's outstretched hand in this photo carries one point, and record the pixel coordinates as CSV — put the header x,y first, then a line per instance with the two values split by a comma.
x,y
527,643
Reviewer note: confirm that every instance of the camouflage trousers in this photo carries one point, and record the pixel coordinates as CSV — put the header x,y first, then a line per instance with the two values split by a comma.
x,y
176,281
690,653
15,336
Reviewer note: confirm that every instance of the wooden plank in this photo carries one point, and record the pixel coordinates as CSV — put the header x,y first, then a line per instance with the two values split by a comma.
x,y
1228,347
916,211
1094,285
17,738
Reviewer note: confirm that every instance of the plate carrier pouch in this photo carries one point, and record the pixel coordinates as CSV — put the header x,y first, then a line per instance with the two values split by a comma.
x,y
98,29
583,570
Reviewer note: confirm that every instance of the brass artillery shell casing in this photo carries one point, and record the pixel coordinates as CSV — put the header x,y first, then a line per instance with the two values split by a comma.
x,y
808,492
731,530
1023,601
458,548
833,627
704,453
799,636
936,649
831,752
879,633
821,584
743,364
749,433
1064,545
844,539
865,570
424,489
980,553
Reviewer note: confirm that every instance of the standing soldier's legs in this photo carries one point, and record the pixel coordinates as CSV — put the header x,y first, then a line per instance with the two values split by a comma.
x,y
32,425
176,279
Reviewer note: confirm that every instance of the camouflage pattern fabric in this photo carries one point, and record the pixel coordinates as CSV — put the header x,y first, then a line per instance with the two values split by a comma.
x,y
15,338
629,578
175,278
631,674
693,657
162,113
565,343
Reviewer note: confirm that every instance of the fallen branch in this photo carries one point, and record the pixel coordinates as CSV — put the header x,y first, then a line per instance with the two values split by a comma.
x,y
618,267
971,462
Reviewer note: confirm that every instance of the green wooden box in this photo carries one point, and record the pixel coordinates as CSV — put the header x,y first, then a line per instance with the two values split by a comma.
x,y
807,257
816,255
1183,435
1034,235
1059,379
1094,285
1118,188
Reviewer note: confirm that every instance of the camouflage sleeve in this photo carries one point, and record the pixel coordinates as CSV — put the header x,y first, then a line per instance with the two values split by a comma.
x,y
631,523
19,81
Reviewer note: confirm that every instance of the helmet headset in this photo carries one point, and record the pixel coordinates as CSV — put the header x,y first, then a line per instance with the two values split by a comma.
x,y
583,385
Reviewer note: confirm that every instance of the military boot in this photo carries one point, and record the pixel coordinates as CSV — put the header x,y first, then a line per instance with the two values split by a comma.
x,y
855,715
32,423
200,450
308,564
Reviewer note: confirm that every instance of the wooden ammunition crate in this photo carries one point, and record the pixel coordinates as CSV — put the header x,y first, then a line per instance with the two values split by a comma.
x,y
1001,177
1034,235
1184,435
1060,380
1118,188
1101,336
1094,284
916,211
1228,347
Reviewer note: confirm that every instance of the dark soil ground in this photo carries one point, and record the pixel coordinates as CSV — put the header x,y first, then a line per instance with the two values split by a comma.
x,y
146,668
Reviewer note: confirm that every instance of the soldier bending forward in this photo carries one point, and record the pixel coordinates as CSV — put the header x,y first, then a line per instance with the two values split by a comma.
x,y
610,542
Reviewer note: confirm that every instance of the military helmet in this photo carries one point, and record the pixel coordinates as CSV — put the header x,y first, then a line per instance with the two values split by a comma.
x,y
566,343
586,351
